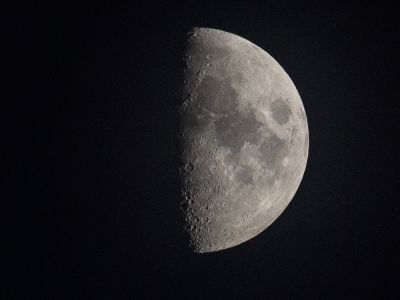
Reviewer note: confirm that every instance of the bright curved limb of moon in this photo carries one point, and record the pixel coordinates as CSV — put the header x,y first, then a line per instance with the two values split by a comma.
x,y
244,140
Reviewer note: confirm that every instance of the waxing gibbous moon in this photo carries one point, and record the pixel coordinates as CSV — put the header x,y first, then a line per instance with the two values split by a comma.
x,y
244,139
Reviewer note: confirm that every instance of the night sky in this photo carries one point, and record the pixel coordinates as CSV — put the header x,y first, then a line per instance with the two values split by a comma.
x,y
94,92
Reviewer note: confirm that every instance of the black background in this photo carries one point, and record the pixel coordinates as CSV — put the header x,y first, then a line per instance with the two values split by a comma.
x,y
93,89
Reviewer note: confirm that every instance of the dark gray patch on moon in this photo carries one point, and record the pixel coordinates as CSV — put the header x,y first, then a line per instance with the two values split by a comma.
x,y
280,111
273,150
236,128
216,95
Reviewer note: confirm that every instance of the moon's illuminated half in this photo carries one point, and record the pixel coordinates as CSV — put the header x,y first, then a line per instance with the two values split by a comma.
x,y
244,140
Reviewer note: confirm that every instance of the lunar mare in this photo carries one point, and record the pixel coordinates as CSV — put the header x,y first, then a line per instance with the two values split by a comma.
x,y
244,139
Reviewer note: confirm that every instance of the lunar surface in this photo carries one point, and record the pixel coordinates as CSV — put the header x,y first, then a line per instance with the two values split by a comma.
x,y
244,139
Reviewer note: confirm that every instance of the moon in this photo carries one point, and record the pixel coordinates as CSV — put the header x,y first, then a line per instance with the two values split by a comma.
x,y
244,140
